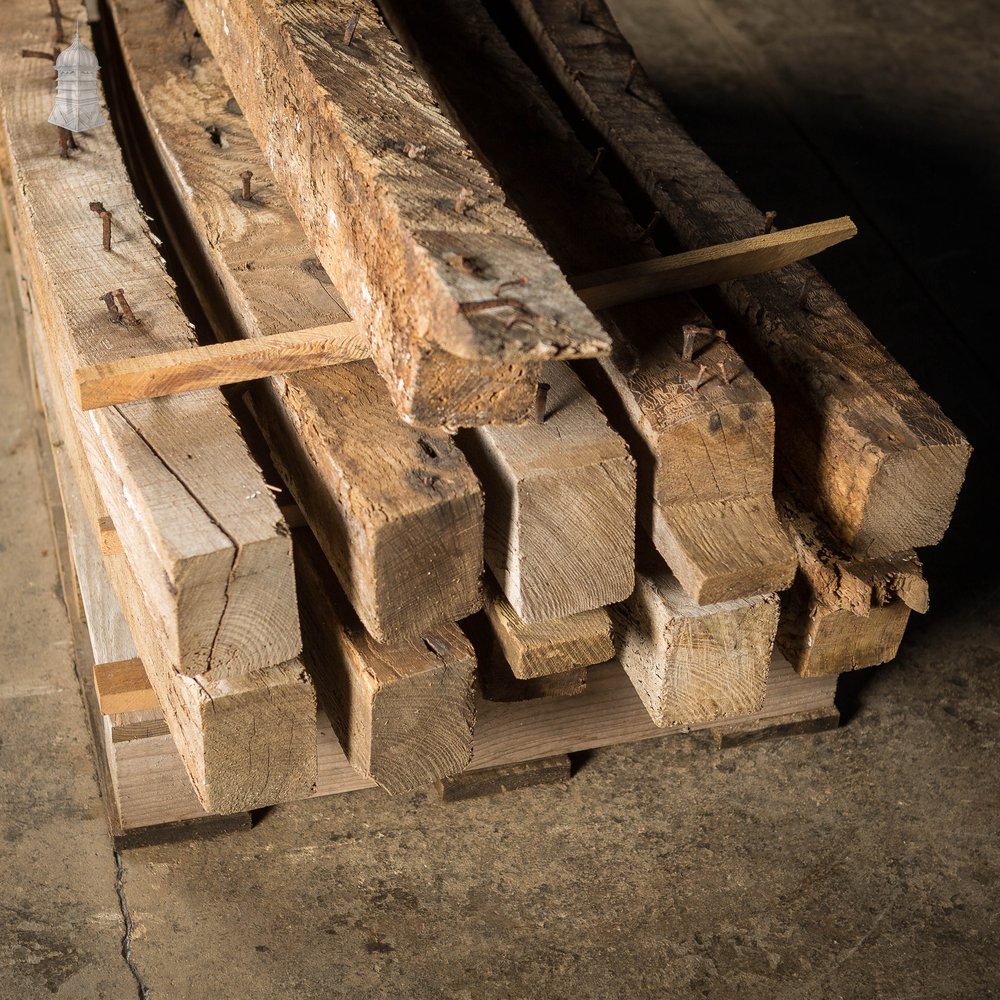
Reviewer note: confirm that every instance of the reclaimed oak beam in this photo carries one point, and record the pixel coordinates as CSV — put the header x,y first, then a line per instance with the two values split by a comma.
x,y
416,236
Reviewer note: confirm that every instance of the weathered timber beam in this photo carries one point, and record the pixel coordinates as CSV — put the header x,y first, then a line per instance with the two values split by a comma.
x,y
300,350
700,426
560,504
198,525
688,663
246,740
415,234
858,441
403,712
548,647
842,613
396,509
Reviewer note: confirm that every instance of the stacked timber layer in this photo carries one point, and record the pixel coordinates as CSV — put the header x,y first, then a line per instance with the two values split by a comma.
x,y
521,442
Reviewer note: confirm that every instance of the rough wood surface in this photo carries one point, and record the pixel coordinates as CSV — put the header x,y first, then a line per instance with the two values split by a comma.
x,y
122,687
397,511
216,364
403,713
197,523
240,742
497,681
844,613
689,663
560,504
552,646
711,265
705,457
860,443
154,789
416,244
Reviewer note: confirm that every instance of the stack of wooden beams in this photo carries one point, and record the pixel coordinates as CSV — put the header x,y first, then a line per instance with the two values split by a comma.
x,y
531,420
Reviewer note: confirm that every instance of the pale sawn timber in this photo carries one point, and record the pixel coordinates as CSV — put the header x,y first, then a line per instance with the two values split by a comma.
x,y
240,740
199,527
704,451
397,510
859,442
692,663
419,246
560,504
303,349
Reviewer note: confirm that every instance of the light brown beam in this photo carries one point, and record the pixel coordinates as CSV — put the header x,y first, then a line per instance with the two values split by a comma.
x,y
301,350
396,509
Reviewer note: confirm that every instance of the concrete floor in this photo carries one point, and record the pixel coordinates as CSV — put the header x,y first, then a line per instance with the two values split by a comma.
x,y
861,863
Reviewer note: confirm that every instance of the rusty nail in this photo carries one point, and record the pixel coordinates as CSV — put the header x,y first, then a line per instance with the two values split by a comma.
x,y
695,383
97,206
691,331
648,231
106,229
769,218
246,175
633,68
462,201
598,158
108,298
523,280
722,371
804,293
541,398
352,26
64,137
125,307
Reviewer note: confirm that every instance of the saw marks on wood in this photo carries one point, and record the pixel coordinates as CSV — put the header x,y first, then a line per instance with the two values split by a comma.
x,y
417,244
702,435
397,510
197,522
690,663
403,712
552,646
859,441
560,505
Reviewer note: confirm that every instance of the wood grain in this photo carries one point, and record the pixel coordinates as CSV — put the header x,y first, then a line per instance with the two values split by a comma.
x,y
844,613
215,364
122,687
560,505
153,789
391,228
397,510
859,442
711,265
691,663
197,524
552,646
705,457
239,742
403,712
